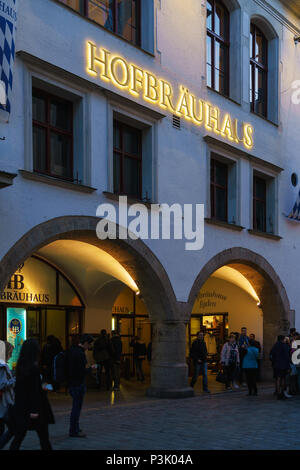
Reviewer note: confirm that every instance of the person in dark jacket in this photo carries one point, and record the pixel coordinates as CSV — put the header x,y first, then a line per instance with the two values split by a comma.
x,y
102,353
281,359
149,352
31,410
116,343
139,355
49,351
198,355
76,372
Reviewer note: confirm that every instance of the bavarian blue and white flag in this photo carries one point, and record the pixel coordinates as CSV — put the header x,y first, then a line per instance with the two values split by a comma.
x,y
8,24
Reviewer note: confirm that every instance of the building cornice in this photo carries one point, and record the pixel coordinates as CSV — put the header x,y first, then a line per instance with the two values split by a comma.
x,y
278,16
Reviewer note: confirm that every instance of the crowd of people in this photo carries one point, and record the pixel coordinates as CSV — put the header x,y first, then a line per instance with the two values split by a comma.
x,y
24,403
241,359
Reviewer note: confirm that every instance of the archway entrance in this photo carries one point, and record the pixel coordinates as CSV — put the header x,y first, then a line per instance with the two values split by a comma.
x,y
238,288
100,270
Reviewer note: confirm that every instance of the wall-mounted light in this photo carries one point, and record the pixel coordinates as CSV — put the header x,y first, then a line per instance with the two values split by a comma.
x,y
138,292
259,304
297,39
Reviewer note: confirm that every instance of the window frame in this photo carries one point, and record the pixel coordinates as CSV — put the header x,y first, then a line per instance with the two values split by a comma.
x,y
225,42
254,65
213,186
122,155
264,201
85,12
49,128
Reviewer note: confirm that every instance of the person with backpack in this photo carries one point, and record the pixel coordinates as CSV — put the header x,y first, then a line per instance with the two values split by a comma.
x,y
103,356
139,355
116,362
250,366
31,410
7,383
76,369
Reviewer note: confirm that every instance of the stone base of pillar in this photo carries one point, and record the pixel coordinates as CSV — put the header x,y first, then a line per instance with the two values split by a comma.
x,y
186,392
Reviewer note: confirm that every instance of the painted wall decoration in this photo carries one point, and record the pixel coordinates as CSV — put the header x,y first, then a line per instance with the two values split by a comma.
x,y
8,25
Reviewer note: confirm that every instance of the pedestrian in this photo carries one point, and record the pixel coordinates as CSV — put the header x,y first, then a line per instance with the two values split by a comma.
x,y
102,354
230,361
149,352
117,353
243,344
258,346
139,355
49,351
250,366
77,368
31,410
198,354
7,383
280,357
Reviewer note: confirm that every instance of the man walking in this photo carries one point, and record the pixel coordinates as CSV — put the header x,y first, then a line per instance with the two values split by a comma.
x,y
199,356
281,359
103,357
76,372
116,356
243,345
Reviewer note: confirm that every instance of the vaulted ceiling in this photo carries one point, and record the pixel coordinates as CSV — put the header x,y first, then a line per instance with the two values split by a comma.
x,y
294,5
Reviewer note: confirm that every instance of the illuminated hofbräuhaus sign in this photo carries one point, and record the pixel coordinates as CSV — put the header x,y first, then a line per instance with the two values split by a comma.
x,y
141,83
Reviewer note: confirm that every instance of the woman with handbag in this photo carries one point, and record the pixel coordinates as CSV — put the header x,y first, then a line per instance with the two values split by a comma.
x,y
31,410
230,361
7,383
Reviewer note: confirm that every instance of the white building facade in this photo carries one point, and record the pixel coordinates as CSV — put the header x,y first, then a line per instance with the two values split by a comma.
x,y
164,101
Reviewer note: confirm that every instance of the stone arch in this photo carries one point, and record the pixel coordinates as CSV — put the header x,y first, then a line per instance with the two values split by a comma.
x,y
277,315
168,367
133,255
267,28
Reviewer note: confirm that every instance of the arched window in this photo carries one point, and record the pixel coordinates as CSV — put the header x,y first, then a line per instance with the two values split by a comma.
x,y
258,71
217,47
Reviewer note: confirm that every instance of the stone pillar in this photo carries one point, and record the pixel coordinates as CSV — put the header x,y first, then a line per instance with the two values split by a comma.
x,y
169,371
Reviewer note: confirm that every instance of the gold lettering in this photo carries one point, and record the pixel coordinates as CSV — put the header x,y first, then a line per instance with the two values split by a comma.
x,y
166,94
212,118
116,63
137,79
183,104
248,136
227,130
151,92
197,119
94,61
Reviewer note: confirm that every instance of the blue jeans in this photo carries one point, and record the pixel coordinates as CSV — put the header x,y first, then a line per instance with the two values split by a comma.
x,y
77,394
200,368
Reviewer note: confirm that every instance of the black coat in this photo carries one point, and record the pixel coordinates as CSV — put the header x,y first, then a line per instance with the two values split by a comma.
x,y
102,349
116,343
76,366
139,349
30,398
198,350
280,356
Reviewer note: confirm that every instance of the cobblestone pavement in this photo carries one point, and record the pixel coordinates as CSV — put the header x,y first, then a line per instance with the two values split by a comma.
x,y
228,420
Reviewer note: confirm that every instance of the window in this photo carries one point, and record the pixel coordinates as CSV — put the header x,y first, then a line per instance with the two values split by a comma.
x,y
217,44
219,190
259,203
123,17
127,163
52,125
258,71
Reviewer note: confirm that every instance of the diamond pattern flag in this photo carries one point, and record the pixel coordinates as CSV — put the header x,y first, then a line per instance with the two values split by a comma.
x,y
8,23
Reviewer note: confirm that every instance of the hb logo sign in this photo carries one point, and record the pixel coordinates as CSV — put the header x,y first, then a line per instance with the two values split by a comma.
x,y
16,282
